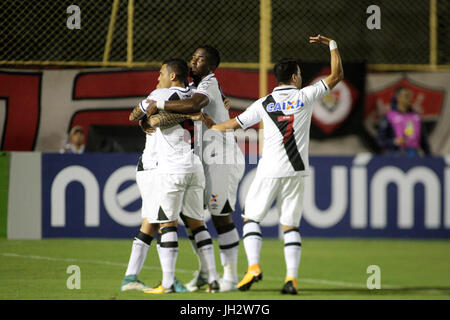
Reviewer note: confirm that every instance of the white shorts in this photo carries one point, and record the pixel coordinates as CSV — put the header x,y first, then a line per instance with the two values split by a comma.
x,y
286,191
222,181
178,193
146,181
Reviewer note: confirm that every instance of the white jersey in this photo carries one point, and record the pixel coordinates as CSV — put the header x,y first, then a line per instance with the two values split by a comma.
x,y
175,145
286,115
209,86
149,158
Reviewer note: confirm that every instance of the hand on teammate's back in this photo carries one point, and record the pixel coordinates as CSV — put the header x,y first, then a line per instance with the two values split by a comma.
x,y
151,109
145,126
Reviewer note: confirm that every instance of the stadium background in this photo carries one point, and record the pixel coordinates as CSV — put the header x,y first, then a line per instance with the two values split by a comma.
x,y
53,78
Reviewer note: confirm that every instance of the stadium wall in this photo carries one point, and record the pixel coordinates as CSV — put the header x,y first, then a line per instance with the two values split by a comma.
x,y
38,107
95,195
4,181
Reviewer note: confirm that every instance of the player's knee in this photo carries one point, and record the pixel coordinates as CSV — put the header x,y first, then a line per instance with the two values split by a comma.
x,y
149,228
286,228
169,224
194,224
219,221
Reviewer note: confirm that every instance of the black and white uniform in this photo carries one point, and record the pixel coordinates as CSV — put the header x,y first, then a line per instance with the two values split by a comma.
x,y
179,181
286,115
146,175
222,159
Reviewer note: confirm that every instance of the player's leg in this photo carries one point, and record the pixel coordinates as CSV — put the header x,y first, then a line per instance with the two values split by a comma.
x,y
194,219
138,254
228,238
143,239
168,253
170,199
290,206
260,197
200,276
221,188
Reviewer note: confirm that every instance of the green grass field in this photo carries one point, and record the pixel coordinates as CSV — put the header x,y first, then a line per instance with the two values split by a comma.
x,y
330,269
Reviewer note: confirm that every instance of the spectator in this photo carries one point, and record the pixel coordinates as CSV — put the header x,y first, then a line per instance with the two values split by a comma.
x,y
75,141
401,130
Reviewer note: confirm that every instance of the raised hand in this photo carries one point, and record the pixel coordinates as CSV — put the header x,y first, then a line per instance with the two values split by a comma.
x,y
320,39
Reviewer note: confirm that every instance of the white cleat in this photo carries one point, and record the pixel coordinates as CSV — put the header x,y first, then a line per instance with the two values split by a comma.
x,y
227,285
199,281
135,285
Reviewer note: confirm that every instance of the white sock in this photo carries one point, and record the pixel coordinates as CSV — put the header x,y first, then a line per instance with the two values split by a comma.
x,y
206,251
228,238
292,252
168,253
139,251
252,242
202,266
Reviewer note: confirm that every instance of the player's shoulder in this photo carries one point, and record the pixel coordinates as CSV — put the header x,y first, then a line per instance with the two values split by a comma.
x,y
209,81
160,93
182,93
320,84
257,104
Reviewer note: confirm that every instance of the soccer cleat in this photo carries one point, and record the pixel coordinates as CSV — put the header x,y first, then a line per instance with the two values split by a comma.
x,y
227,285
179,286
131,282
160,290
290,286
198,282
213,287
254,274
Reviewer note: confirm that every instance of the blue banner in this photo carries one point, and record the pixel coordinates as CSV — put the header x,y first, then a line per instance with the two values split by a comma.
x,y
95,195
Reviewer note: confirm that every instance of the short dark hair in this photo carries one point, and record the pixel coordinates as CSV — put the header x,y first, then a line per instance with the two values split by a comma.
x,y
284,69
213,55
179,67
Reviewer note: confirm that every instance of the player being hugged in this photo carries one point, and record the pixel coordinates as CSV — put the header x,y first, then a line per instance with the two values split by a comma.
x,y
222,171
286,115
180,179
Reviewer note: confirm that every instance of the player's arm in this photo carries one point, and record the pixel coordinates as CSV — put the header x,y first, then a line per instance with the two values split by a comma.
x,y
231,124
246,119
337,72
165,119
136,114
191,105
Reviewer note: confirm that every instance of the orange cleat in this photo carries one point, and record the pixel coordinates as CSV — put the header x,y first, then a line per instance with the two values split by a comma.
x,y
254,274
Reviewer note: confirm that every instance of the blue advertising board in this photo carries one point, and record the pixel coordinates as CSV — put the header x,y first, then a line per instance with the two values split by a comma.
x,y
95,195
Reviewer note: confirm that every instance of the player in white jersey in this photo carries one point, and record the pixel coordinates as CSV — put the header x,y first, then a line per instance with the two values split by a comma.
x,y
286,115
222,159
180,182
146,177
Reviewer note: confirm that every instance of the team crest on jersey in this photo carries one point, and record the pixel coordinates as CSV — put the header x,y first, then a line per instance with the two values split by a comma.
x,y
284,106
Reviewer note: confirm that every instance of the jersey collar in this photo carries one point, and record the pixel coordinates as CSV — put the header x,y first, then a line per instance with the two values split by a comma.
x,y
209,76
279,88
179,88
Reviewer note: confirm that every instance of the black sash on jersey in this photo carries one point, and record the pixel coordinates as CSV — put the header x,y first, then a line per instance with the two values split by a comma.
x,y
290,144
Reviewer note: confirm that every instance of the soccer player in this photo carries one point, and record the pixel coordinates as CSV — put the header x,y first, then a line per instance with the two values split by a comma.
x,y
145,179
222,171
180,182
286,115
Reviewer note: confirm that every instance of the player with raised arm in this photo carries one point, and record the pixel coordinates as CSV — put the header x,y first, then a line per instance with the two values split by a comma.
x,y
180,180
222,173
286,115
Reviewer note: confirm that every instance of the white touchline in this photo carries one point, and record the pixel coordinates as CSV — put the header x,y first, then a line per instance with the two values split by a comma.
x,y
118,264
